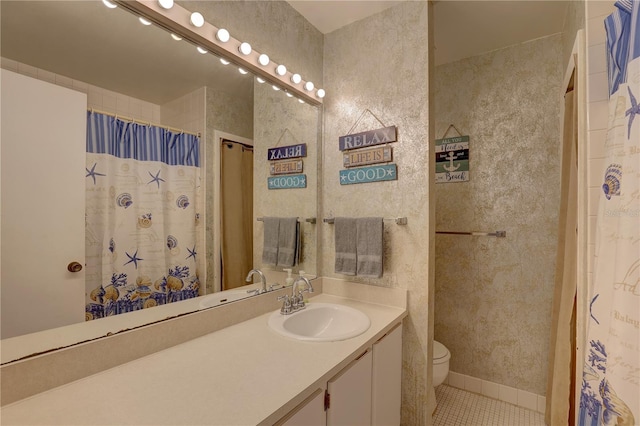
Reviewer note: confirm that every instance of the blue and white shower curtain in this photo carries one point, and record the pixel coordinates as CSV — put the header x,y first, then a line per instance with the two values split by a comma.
x,y
611,377
141,216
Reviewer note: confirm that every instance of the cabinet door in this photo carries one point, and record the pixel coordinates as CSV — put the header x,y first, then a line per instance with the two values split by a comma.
x,y
309,413
387,378
350,394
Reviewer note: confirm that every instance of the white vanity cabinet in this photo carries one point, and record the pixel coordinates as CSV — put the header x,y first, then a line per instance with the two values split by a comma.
x,y
386,379
350,394
366,392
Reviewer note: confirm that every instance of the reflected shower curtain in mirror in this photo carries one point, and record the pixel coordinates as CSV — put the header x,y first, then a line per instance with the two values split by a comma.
x,y
611,379
141,216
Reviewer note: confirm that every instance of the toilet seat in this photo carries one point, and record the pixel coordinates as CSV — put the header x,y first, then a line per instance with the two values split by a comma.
x,y
440,353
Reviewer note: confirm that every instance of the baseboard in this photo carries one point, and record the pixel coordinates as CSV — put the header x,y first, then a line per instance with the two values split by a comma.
x,y
497,391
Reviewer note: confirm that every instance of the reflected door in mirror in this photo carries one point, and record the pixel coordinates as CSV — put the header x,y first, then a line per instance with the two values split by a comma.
x,y
43,162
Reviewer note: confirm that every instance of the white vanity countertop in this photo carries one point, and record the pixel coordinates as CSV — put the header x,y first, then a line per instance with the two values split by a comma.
x,y
245,374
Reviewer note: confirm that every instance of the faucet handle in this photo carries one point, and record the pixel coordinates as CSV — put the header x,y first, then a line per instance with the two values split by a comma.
x,y
286,304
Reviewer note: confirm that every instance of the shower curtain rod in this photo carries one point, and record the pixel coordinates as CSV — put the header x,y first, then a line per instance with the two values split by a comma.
x,y
147,123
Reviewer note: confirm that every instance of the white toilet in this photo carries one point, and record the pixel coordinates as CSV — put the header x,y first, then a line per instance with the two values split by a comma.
x,y
441,357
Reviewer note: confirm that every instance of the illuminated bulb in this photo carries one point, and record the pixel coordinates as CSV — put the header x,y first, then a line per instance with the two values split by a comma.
x,y
301,101
275,88
223,35
197,20
308,86
321,93
224,61
165,4
242,71
176,37
296,79
245,48
109,4
144,21
281,70
289,95
201,50
260,80
263,59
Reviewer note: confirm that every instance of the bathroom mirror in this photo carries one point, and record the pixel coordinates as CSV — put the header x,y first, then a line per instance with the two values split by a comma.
x,y
143,71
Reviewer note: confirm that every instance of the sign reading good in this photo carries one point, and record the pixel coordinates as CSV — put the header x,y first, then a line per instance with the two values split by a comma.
x,y
285,152
452,159
286,167
285,182
362,157
368,174
370,138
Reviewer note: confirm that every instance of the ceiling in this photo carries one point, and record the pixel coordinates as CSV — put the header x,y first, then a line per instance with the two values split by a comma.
x,y
461,28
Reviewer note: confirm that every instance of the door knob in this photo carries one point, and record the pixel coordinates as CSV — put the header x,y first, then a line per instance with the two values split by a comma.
x,y
74,267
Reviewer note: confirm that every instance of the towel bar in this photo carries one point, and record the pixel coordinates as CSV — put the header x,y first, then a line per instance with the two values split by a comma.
x,y
398,220
309,219
498,234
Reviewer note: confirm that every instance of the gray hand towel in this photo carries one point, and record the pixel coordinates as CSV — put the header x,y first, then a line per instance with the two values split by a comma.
x,y
270,246
369,247
345,236
287,241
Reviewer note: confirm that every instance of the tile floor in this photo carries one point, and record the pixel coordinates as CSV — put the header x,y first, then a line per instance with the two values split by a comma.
x,y
457,407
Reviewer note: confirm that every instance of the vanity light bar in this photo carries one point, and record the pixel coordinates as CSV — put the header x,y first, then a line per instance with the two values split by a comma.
x,y
177,20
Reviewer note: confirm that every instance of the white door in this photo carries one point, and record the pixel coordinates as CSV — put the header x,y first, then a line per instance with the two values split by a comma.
x,y
43,191
350,394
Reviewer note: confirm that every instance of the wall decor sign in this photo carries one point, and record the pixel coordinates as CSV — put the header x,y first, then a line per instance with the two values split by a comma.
x,y
285,152
286,182
368,174
362,157
286,167
369,138
452,159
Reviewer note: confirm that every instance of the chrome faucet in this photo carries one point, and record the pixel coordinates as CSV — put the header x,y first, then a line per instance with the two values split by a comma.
x,y
297,299
262,279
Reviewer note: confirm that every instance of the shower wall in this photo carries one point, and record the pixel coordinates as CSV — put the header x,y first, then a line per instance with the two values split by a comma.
x,y
493,296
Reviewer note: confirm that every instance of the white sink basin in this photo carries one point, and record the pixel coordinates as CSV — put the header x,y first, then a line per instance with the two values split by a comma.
x,y
321,322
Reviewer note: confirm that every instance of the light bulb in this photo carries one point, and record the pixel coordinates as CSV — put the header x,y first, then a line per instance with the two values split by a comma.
x,y
245,48
301,101
144,21
176,37
321,93
260,80
242,71
263,59
165,4
109,4
296,79
224,61
289,95
275,88
223,35
308,86
201,50
281,70
197,20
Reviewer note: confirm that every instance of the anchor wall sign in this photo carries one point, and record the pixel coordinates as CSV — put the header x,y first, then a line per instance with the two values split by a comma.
x,y
452,159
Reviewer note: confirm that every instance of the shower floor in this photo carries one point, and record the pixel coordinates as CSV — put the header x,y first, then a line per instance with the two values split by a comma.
x,y
457,407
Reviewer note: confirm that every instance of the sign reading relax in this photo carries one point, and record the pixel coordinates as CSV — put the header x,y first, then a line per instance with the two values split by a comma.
x,y
369,138
284,152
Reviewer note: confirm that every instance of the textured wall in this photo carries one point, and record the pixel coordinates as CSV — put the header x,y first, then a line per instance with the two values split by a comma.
x,y
283,121
493,295
381,63
574,20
